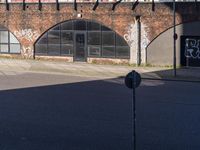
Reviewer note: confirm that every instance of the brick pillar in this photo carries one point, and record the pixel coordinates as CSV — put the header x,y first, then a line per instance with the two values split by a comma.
x,y
27,37
138,40
134,40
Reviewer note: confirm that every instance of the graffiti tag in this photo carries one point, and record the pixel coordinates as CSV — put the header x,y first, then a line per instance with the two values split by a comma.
x,y
131,36
27,51
192,48
27,34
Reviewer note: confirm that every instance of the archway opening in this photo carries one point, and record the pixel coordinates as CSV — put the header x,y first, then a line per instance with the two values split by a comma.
x,y
82,39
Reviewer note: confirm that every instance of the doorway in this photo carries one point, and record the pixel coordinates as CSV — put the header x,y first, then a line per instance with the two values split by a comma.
x,y
80,46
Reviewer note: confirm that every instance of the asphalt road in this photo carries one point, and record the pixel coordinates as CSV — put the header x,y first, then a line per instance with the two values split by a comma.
x,y
57,112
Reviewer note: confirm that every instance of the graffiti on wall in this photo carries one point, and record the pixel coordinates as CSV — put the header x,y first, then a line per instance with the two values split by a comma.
x,y
131,36
27,51
190,51
27,34
192,48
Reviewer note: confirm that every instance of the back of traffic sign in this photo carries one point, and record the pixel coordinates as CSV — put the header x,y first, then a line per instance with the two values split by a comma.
x,y
132,79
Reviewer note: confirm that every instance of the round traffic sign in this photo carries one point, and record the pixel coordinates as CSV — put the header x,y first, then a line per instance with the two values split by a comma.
x,y
131,78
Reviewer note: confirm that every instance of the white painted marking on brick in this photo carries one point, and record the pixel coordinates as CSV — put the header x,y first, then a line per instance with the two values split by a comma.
x,y
27,34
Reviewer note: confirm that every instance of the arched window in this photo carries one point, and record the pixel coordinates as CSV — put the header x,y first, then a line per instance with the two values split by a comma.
x,y
81,39
8,42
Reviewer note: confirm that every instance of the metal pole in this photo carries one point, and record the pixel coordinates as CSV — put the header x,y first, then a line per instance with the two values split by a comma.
x,y
174,37
134,110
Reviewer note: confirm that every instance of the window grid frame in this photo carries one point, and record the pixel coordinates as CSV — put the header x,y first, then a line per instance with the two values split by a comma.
x,y
100,30
9,43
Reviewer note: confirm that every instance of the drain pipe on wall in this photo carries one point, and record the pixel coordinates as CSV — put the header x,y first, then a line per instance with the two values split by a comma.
x,y
138,47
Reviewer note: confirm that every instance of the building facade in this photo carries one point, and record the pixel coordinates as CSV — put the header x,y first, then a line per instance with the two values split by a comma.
x,y
100,32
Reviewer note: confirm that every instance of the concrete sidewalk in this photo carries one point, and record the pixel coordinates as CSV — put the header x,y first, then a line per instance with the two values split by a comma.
x,y
12,66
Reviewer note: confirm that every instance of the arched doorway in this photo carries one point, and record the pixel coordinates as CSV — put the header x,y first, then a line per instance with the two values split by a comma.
x,y
81,39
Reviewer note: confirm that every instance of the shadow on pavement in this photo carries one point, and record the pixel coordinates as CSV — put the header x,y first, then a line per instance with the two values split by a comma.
x,y
92,115
168,111
97,115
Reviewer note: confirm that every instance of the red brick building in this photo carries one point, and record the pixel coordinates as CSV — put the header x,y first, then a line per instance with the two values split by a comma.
x,y
104,32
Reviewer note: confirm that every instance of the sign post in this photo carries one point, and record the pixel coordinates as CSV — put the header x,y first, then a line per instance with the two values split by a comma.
x,y
174,36
132,81
134,109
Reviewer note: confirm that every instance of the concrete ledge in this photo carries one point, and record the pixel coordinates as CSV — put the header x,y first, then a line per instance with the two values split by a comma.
x,y
107,61
11,56
55,58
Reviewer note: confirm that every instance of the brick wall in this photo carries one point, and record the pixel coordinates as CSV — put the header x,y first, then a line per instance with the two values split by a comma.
x,y
28,25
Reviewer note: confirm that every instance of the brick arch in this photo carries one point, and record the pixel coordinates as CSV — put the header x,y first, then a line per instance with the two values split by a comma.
x,y
74,19
119,50
118,20
178,24
160,50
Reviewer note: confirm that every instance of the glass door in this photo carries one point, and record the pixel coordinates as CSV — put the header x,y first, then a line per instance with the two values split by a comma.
x,y
80,46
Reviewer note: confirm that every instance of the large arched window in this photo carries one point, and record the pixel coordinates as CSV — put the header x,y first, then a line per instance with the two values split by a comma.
x,y
8,42
82,37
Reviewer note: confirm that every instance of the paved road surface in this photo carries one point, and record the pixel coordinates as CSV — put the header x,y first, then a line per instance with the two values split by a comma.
x,y
59,112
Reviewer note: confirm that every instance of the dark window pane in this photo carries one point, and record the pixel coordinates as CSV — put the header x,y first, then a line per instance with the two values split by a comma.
x,y
108,51
43,39
4,48
54,37
13,39
41,48
94,50
80,25
94,38
66,49
123,52
104,28
120,41
108,38
14,48
54,49
67,37
4,37
57,27
93,26
67,25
